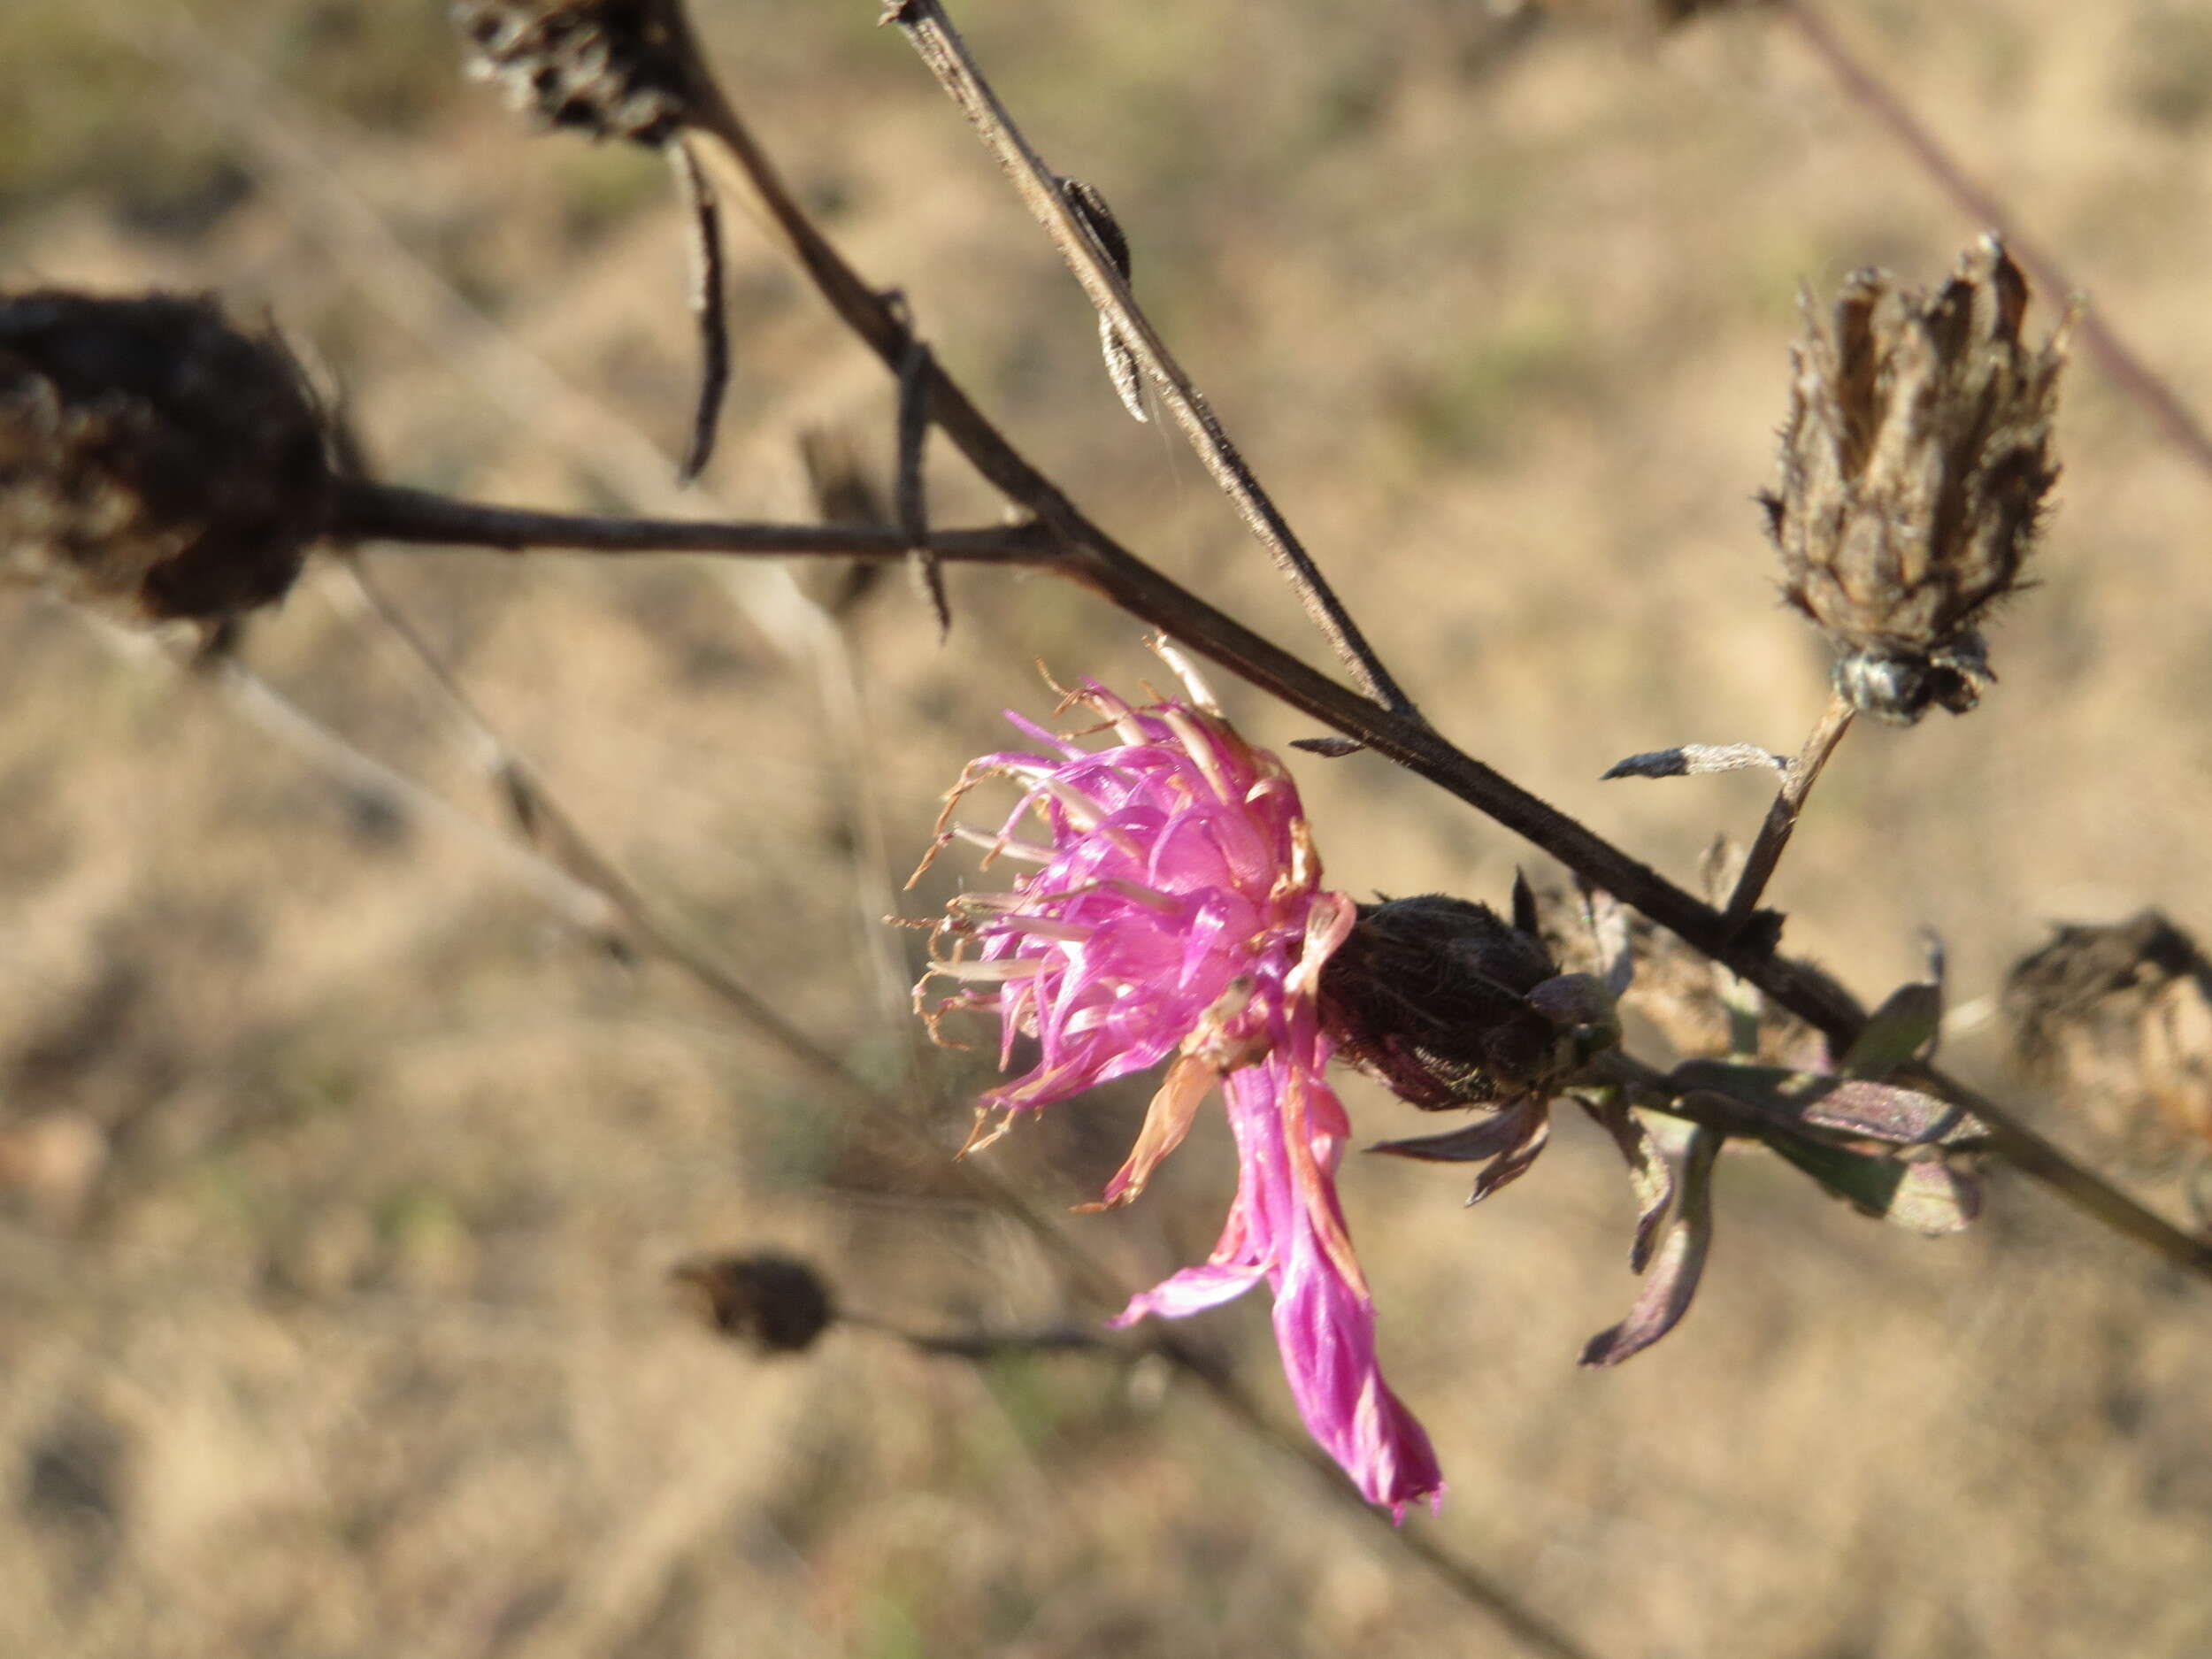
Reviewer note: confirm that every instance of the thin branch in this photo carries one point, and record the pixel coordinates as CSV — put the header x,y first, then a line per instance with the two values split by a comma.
x,y
1789,801
1141,591
1530,1629
387,512
940,47
1871,94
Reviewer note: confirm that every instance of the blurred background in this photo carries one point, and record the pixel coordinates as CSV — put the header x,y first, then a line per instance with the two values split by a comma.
x,y
342,1179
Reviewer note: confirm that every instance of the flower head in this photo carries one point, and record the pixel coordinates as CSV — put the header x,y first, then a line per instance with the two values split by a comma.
x,y
1175,909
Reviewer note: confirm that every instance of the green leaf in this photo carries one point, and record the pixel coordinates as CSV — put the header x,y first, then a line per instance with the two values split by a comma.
x,y
1903,1029
1930,1198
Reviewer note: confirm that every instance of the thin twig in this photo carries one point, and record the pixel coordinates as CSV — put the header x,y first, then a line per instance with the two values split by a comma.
x,y
946,54
1534,1632
2136,377
390,514
1789,801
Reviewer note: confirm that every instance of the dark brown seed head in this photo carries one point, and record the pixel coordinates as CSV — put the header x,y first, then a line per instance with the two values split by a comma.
x,y
154,462
1430,995
1914,467
2116,1021
614,68
771,1303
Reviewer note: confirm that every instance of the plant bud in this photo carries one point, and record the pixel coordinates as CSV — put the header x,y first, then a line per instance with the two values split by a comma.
x,y
615,68
154,461
1913,466
2116,1021
770,1303
1430,995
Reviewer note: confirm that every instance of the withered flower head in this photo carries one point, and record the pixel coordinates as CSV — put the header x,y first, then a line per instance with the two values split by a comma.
x,y
771,1303
154,461
616,68
1913,466
2116,1021
1430,995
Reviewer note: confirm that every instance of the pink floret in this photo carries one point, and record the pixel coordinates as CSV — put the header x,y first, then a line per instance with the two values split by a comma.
x,y
1178,911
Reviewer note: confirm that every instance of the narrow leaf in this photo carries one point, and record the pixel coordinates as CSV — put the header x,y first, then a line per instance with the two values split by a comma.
x,y
1672,1281
1508,1141
1692,760
1902,1029
1649,1174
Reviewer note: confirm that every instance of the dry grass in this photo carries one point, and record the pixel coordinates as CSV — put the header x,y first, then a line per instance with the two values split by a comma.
x,y
355,1340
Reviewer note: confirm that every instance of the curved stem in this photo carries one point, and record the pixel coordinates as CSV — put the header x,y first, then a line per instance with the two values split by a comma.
x,y
1867,89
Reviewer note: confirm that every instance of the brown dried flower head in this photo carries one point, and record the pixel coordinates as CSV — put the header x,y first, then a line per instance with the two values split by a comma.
x,y
2116,1021
1450,1005
615,68
1914,467
154,461
773,1303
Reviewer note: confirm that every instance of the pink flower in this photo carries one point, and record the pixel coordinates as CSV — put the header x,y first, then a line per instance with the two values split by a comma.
x,y
1176,908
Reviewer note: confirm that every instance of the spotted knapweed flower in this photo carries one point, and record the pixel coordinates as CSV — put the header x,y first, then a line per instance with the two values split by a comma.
x,y
1175,909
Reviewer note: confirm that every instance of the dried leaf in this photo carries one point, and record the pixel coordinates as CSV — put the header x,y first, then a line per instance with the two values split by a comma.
x,y
1649,1173
1089,208
1509,1141
1672,1281
1695,760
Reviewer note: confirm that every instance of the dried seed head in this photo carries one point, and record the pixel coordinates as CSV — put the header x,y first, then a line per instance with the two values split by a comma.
x,y
615,68
1431,995
1914,466
771,1303
154,462
2116,1021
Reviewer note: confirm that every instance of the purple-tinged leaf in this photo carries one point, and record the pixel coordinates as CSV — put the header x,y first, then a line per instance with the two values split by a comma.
x,y
1672,1281
1786,1100
1508,1141
1511,1165
1649,1173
